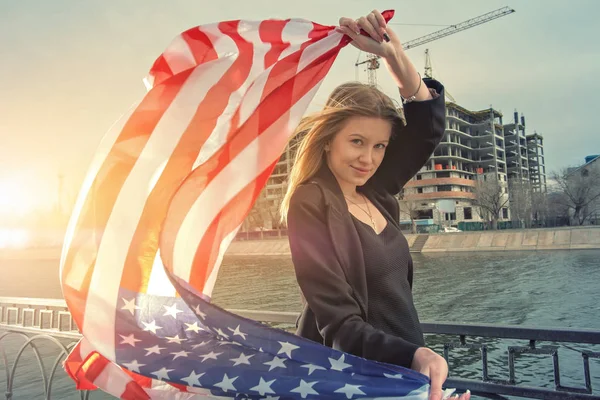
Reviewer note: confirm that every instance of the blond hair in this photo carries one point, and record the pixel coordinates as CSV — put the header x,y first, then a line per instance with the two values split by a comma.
x,y
348,100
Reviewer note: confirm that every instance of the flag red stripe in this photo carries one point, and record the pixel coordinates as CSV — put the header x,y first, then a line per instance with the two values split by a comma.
x,y
142,251
271,31
200,44
133,391
226,221
160,70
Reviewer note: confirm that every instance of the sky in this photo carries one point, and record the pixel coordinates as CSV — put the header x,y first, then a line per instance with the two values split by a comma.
x,y
70,68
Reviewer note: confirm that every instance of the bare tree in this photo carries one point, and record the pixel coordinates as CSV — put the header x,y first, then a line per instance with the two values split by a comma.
x,y
580,191
261,214
491,198
521,202
540,207
409,208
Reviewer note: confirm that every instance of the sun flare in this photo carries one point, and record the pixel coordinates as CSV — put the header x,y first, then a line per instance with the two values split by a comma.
x,y
15,199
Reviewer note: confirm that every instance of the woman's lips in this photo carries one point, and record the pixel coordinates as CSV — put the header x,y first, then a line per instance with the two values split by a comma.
x,y
361,171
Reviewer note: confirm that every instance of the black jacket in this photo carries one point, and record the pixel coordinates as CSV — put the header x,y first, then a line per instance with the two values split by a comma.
x,y
326,250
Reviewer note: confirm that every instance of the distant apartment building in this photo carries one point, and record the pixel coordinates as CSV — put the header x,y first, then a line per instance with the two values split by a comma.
x,y
525,154
537,165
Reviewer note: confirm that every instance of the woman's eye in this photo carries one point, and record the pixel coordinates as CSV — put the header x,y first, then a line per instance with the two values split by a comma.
x,y
380,146
357,141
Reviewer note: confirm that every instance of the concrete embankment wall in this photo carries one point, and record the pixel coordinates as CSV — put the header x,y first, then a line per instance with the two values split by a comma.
x,y
507,240
569,238
516,240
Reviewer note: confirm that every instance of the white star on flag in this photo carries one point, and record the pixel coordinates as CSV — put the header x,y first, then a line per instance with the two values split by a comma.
x,y
180,354
227,383
221,333
350,390
152,327
276,362
130,305
175,339
396,376
198,312
193,379
212,355
133,366
242,359
339,364
162,373
305,388
131,340
312,368
287,348
154,350
193,327
237,332
263,387
194,347
172,311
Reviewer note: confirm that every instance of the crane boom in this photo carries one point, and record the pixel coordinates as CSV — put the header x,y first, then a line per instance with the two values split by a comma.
x,y
451,30
373,64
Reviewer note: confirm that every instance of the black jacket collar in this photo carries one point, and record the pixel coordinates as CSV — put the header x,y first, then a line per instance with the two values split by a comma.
x,y
335,197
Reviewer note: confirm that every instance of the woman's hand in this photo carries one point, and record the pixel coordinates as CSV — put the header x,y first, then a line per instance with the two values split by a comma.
x,y
401,68
375,26
429,363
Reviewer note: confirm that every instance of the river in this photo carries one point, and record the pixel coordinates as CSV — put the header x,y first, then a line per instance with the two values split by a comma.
x,y
534,289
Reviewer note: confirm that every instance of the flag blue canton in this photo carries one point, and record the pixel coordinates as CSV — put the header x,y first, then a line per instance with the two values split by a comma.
x,y
204,346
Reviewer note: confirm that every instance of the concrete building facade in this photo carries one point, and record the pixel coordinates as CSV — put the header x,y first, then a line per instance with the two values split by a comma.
x,y
472,149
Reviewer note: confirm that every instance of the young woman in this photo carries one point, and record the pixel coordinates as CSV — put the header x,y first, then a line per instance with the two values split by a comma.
x,y
351,260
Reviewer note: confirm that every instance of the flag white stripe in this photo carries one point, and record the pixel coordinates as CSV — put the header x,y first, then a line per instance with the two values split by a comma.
x,y
106,144
240,171
113,380
99,318
212,277
178,56
313,52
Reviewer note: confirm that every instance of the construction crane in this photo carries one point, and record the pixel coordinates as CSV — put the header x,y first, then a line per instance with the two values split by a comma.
x,y
372,60
429,74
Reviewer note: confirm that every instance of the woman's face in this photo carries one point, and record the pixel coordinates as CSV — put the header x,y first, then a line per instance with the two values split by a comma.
x,y
357,150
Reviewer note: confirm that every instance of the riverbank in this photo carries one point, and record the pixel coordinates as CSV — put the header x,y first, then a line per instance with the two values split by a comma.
x,y
567,238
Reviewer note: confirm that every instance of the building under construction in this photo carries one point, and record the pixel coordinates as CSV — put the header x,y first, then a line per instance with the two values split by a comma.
x,y
477,145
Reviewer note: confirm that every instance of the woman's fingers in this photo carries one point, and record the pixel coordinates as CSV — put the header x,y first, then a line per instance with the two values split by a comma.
x,y
380,19
382,24
375,23
368,27
347,31
351,24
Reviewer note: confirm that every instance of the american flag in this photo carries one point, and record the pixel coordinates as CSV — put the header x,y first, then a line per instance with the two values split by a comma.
x,y
166,192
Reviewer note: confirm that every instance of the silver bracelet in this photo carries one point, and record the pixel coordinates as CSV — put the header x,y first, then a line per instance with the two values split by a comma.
x,y
414,96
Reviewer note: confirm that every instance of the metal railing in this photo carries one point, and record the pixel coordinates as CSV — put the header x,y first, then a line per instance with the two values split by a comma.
x,y
483,346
